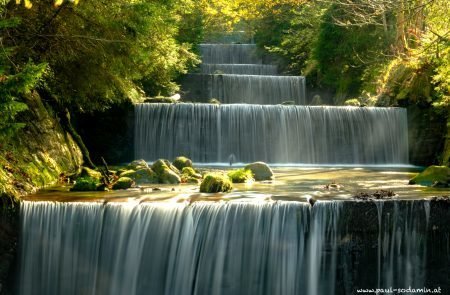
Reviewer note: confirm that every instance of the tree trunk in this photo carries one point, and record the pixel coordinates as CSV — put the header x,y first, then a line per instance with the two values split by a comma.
x,y
64,117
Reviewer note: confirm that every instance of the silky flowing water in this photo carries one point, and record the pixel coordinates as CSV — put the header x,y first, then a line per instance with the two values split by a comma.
x,y
274,134
212,248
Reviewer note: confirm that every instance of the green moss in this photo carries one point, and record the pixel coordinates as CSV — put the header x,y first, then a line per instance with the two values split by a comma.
x,y
160,99
352,102
168,176
141,176
84,184
137,164
182,162
123,183
189,171
240,176
90,173
215,183
432,175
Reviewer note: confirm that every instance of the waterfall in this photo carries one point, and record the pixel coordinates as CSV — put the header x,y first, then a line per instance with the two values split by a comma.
x,y
218,248
239,69
401,244
238,73
274,134
229,54
258,89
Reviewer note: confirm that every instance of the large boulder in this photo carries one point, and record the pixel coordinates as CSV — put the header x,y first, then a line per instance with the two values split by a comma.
x,y
123,183
433,175
216,183
182,162
260,170
169,177
167,173
162,164
141,176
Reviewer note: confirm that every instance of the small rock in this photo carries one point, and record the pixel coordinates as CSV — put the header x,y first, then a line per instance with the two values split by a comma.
x,y
379,194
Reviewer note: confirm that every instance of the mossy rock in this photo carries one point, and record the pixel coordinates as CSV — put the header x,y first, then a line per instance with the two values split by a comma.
x,y
240,175
123,183
182,162
160,165
85,184
137,164
189,171
167,176
432,175
216,183
90,173
141,176
260,170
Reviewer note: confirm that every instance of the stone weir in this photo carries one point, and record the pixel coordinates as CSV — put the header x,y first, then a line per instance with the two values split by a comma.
x,y
238,73
333,247
210,133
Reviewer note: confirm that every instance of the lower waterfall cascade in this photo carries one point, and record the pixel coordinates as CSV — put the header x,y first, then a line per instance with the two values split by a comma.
x,y
274,134
220,248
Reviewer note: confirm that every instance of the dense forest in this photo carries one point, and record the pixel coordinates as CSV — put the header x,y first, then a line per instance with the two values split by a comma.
x,y
84,56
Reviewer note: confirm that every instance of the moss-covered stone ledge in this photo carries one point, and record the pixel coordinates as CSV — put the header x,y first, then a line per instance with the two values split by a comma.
x,y
36,157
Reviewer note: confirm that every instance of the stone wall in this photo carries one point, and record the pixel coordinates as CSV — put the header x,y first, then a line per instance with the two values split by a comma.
x,y
427,133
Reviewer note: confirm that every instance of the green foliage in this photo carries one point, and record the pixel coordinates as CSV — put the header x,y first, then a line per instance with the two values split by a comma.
x,y
15,82
99,53
240,176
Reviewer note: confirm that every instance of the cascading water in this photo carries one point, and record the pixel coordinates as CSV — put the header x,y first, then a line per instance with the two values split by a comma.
x,y
229,54
235,73
217,248
254,89
275,134
239,69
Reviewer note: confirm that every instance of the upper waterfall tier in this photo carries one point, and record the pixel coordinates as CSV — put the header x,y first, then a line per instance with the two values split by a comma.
x,y
257,89
239,69
275,134
229,54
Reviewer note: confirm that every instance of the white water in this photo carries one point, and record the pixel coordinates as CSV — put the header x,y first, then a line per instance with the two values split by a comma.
x,y
239,69
235,73
212,248
401,244
229,54
258,89
274,134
